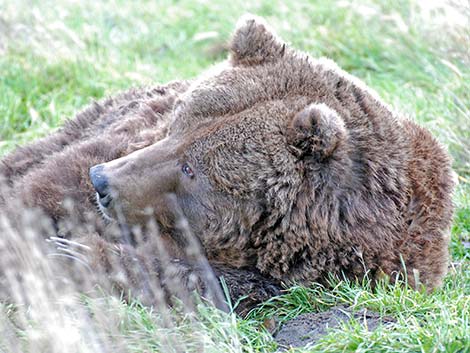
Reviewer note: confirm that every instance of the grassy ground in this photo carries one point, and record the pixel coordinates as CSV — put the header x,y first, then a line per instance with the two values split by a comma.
x,y
57,56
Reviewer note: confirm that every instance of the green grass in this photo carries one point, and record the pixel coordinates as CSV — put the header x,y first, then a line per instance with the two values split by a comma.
x,y
57,56
424,323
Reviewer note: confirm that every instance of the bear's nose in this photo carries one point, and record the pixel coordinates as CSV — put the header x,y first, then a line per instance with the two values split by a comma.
x,y
100,182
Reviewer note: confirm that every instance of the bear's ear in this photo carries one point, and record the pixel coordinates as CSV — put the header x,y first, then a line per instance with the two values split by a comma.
x,y
253,43
316,131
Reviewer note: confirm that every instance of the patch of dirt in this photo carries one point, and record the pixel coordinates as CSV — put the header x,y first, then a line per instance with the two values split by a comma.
x,y
307,329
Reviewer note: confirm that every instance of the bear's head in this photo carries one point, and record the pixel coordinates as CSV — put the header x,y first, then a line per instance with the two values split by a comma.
x,y
249,146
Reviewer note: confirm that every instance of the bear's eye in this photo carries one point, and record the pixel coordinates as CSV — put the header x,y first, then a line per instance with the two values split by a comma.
x,y
187,170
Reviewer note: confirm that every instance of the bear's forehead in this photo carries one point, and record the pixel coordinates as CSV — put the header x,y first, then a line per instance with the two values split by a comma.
x,y
257,126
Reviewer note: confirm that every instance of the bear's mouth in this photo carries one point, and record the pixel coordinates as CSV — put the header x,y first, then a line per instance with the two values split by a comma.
x,y
102,204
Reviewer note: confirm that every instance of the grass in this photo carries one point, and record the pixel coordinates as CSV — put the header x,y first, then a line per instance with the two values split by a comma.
x,y
57,56
424,323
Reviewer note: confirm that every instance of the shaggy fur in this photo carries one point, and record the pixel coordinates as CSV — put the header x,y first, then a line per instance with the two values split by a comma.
x,y
297,170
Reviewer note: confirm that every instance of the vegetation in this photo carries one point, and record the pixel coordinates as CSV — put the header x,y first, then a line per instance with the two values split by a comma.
x,y
57,56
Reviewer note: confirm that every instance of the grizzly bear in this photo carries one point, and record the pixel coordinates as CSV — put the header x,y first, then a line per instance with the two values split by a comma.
x,y
283,167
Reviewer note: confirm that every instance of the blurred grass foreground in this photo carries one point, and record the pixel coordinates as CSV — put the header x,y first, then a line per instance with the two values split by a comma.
x,y
58,56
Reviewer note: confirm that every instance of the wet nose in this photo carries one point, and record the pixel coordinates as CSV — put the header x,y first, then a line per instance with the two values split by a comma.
x,y
99,180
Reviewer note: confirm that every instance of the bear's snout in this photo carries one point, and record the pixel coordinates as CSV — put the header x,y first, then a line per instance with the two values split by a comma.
x,y
100,183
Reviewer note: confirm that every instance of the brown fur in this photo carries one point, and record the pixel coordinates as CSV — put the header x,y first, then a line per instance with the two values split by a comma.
x,y
300,170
